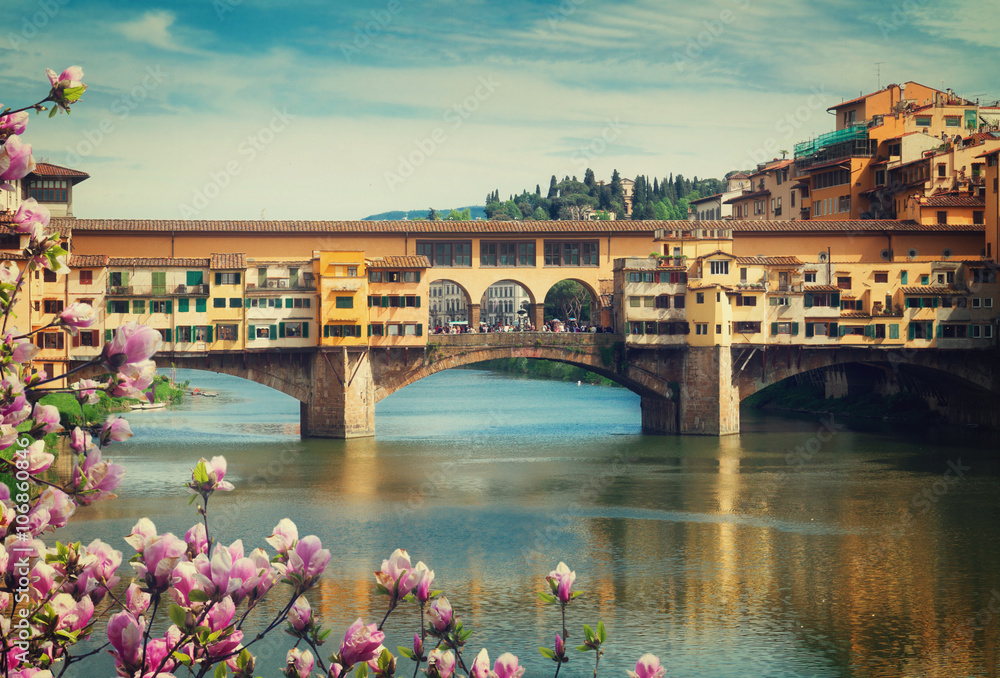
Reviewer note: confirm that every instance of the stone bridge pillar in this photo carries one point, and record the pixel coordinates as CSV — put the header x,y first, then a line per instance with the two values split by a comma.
x,y
659,415
342,396
709,400
536,312
474,316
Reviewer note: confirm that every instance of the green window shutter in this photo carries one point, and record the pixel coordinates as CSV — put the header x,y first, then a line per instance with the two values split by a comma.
x,y
869,331
326,330
281,330
239,277
833,330
273,333
109,307
385,302
369,330
894,331
251,332
169,334
125,278
194,278
418,276
183,305
305,330
420,329
218,278
246,303
418,302
834,300
235,302
940,330
809,330
843,331
170,306
107,335
774,301
911,331
288,302
795,329
935,302
209,331
357,331
138,306
807,299
201,305
774,328
903,277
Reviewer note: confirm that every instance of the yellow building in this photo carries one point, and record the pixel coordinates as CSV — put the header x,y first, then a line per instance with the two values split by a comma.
x,y
397,296
226,319
281,303
342,279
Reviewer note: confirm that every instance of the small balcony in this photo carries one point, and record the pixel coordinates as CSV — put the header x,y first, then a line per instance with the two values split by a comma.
x,y
283,285
156,290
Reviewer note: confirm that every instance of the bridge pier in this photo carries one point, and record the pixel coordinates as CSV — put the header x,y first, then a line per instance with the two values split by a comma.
x,y
659,415
536,312
709,400
341,401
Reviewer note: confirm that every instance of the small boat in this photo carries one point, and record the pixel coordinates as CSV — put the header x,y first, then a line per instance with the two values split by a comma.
x,y
148,406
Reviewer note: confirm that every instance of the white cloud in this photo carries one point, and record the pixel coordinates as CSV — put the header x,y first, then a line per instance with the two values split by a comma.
x,y
153,28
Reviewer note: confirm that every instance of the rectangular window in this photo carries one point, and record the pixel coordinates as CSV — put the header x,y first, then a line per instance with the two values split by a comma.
x,y
52,306
942,216
634,302
86,277
345,302
159,282
157,307
746,327
293,330
228,332
718,267
118,306
923,121
201,332
584,253
810,276
194,278
635,276
450,254
844,282
218,302
663,301
227,278
882,277
52,340
50,190
262,332
201,305
978,217
649,302
138,306
184,333
679,301
235,302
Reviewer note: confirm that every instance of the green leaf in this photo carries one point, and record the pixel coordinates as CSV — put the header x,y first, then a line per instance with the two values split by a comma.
x,y
381,589
221,671
192,498
601,634
322,636
589,632
548,598
384,658
406,652
53,111
198,596
547,653
244,659
200,473
361,671
177,615
584,648
182,658
576,594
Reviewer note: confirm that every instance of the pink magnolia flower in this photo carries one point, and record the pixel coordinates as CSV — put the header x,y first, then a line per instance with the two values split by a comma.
x,y
560,647
115,428
132,343
94,479
136,600
73,615
207,476
98,564
300,616
250,574
418,645
15,160
15,123
360,643
23,349
284,536
125,634
425,578
77,316
397,575
47,418
159,558
306,563
38,459
481,666
441,615
80,441
440,664
561,580
143,533
648,666
299,663
52,510
31,212
86,391
197,540
67,87
506,667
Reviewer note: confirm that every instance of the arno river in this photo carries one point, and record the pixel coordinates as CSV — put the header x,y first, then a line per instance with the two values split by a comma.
x,y
790,550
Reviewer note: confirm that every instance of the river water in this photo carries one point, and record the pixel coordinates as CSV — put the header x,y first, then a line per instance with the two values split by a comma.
x,y
802,547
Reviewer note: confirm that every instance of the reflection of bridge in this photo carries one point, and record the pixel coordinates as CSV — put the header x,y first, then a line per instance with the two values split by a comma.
x,y
684,389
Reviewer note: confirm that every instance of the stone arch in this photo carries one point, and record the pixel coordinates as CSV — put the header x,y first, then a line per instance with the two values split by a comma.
x,y
435,311
288,373
484,311
595,297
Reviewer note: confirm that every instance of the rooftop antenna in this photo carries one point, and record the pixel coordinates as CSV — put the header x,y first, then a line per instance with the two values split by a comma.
x,y
878,71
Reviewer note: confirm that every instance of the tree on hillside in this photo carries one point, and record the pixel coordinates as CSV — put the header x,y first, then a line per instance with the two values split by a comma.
x,y
432,215
552,187
459,215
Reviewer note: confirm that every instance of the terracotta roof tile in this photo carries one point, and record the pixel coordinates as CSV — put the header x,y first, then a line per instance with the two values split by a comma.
x,y
820,226
927,290
952,200
88,260
162,262
770,261
9,255
228,261
822,288
411,261
45,169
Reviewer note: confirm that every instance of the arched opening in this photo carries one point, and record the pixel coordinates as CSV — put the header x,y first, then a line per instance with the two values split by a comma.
x,y
448,305
506,305
572,304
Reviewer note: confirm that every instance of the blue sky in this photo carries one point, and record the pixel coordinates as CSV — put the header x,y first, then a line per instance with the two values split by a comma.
x,y
311,109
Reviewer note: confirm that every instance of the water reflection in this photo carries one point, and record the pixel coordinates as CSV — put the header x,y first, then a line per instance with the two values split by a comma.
x,y
716,554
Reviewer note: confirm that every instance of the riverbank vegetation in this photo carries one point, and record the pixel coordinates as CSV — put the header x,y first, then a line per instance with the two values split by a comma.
x,y
543,369
70,413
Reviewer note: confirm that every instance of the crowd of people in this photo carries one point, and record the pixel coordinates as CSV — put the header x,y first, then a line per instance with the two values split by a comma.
x,y
550,326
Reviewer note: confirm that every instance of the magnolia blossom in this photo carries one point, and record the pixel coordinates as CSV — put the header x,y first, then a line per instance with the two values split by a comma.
x,y
300,615
77,316
67,87
440,664
15,161
418,645
506,667
361,643
215,471
115,428
30,212
132,343
38,459
425,577
136,600
86,391
159,558
397,575
299,663
80,441
561,580
560,647
284,536
14,123
441,615
481,666
125,634
648,666
22,350
306,563
46,418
